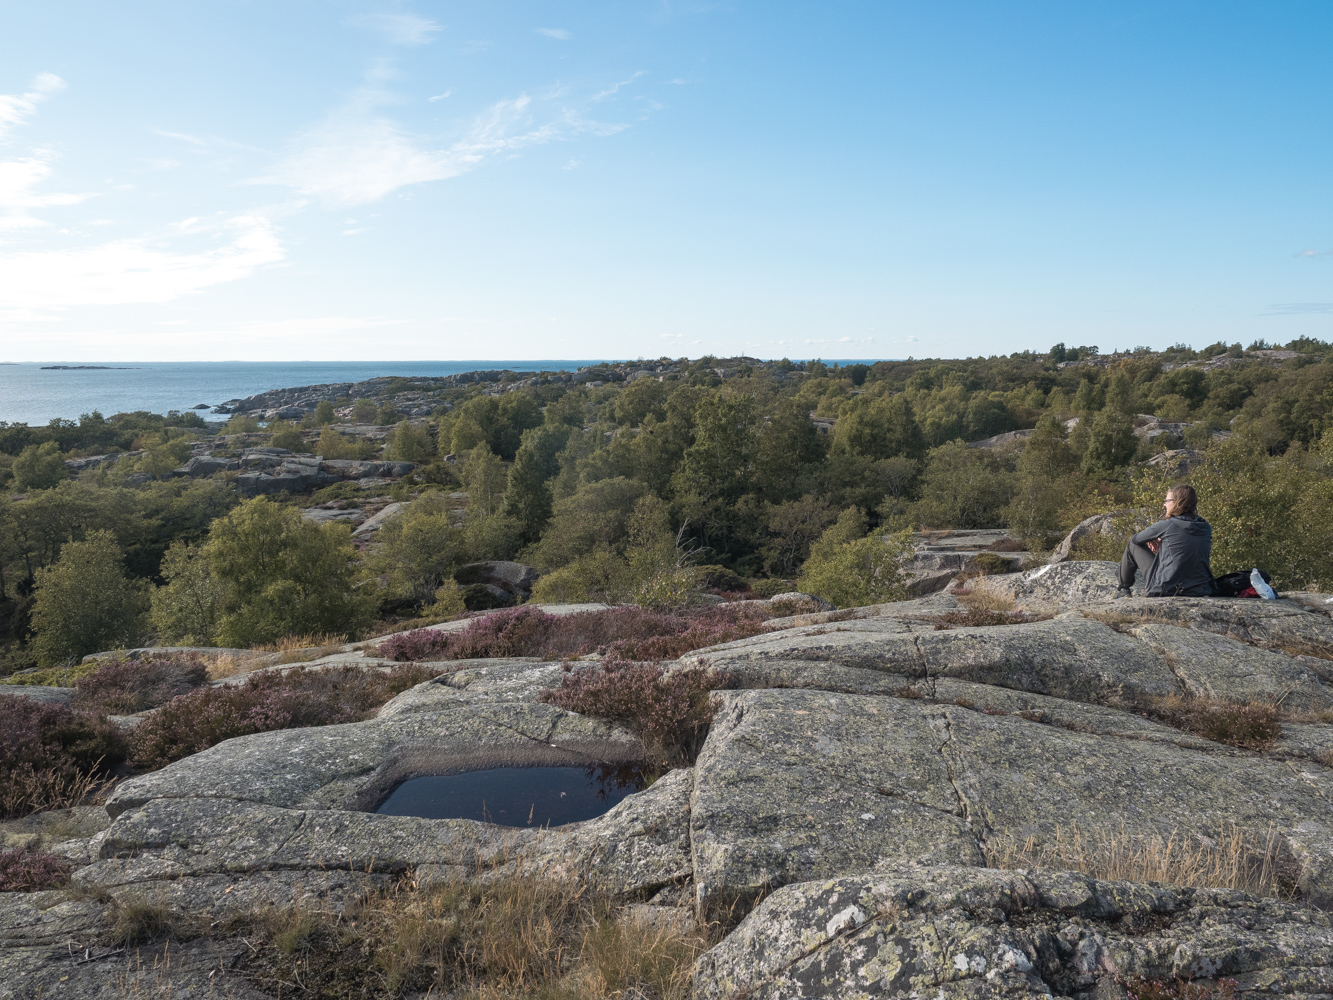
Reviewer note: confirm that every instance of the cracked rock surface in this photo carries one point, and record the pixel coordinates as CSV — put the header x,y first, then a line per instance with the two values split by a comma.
x,y
862,767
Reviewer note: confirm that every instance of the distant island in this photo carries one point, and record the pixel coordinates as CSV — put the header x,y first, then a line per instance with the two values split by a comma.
x,y
80,368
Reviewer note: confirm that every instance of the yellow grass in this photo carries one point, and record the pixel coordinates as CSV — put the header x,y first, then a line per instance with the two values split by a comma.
x,y
983,600
1232,860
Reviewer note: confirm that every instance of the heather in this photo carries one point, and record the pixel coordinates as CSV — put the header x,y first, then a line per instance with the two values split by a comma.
x,y
627,632
51,755
124,687
265,701
670,710
26,870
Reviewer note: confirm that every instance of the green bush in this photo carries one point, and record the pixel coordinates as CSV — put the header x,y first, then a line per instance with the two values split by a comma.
x,y
186,610
281,575
85,603
39,467
851,570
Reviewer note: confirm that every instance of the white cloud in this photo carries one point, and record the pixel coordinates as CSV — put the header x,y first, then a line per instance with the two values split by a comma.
x,y
19,178
356,157
15,109
439,97
402,29
557,33
18,182
611,90
131,271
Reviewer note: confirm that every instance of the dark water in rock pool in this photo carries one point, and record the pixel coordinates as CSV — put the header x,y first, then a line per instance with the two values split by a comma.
x,y
516,796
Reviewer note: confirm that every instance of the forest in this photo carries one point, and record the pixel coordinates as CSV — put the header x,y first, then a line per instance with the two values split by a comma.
x,y
726,475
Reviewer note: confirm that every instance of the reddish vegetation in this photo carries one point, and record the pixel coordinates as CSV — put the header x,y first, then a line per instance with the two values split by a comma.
x,y
24,870
47,751
123,687
670,710
628,632
271,700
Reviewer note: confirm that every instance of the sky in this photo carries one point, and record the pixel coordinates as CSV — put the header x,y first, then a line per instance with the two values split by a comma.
x,y
279,180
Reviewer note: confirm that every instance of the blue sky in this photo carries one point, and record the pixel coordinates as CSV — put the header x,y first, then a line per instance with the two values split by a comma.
x,y
293,179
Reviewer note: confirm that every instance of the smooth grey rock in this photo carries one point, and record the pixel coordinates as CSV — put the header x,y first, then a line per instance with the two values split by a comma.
x,y
794,785
797,599
39,692
513,578
1209,665
356,764
373,524
954,932
1070,656
1097,524
1066,584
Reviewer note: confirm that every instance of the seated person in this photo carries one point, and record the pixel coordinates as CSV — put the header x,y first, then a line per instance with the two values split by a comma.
x,y
1173,553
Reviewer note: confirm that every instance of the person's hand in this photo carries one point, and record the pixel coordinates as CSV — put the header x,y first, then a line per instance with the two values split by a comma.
x,y
1155,545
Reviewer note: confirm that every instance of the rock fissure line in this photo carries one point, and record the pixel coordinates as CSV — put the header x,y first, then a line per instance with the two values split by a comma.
x,y
1306,781
544,741
953,782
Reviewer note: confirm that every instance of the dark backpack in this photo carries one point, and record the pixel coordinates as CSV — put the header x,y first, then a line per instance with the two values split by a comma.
x,y
1235,584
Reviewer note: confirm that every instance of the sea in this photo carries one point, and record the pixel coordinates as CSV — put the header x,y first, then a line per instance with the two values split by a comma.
x,y
34,393
38,392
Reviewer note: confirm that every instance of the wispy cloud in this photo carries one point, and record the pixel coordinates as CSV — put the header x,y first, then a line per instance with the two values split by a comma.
x,y
357,156
1315,253
20,177
557,33
15,109
134,270
1299,308
439,97
401,29
611,90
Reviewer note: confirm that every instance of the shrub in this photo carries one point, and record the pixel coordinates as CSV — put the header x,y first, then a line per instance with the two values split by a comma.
x,y
853,571
123,687
269,700
24,870
1250,726
62,676
669,710
50,755
39,467
628,632
992,564
84,603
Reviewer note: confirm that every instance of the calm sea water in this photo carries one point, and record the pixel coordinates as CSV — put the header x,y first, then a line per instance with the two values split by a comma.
x,y
28,394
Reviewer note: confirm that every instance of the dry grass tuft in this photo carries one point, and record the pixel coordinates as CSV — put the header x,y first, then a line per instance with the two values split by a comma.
x,y
979,618
303,648
983,600
1249,726
28,790
1232,860
1306,647
525,934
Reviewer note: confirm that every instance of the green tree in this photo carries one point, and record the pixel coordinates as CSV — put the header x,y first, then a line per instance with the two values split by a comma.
x,y
597,515
286,435
793,526
963,487
879,427
1111,442
363,411
852,570
409,443
417,551
85,603
282,575
39,467
528,496
185,611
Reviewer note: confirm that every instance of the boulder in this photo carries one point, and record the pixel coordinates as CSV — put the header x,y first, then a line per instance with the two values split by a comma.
x,y
514,579
1064,584
206,465
1178,460
1098,524
800,602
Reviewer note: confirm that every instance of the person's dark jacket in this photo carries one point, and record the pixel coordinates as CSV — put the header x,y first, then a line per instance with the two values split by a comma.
x,y
1181,566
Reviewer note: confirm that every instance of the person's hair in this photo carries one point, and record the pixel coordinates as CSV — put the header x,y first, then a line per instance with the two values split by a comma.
x,y
1187,501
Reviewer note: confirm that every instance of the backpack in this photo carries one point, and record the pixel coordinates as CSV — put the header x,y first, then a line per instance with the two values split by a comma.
x,y
1237,584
